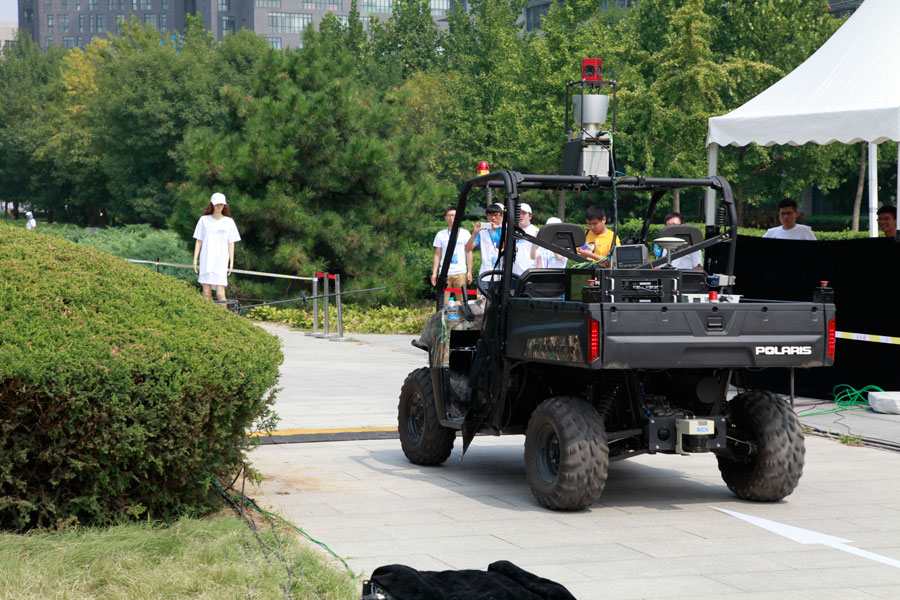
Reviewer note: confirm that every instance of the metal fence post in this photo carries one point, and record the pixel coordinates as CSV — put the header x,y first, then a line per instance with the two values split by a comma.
x,y
315,293
325,294
337,302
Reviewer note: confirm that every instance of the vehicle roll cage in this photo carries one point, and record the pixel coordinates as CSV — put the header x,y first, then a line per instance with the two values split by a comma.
x,y
511,182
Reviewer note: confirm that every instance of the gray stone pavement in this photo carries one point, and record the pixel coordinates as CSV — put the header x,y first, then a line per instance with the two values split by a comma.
x,y
654,534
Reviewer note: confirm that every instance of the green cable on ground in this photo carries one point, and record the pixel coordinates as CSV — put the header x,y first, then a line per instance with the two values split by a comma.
x,y
850,397
252,505
846,397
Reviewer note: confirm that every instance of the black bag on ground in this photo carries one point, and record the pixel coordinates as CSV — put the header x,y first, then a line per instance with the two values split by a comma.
x,y
502,581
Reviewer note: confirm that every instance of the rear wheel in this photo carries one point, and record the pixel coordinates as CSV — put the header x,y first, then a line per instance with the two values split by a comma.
x,y
566,454
423,439
766,448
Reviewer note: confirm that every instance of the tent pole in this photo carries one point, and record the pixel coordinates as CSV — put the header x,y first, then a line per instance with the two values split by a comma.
x,y
873,190
712,168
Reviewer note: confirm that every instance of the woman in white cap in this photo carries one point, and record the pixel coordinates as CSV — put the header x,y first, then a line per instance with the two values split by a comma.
x,y
30,223
216,234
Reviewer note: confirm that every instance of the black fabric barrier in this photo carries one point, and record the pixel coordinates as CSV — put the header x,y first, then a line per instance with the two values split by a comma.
x,y
502,581
865,276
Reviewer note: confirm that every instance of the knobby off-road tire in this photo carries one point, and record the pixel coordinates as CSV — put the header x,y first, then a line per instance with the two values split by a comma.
x,y
566,454
423,439
774,471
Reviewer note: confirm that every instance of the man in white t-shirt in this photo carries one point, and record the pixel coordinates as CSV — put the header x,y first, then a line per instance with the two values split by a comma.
x,y
790,229
523,248
694,260
487,239
460,272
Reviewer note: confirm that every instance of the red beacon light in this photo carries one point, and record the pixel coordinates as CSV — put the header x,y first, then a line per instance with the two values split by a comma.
x,y
483,168
592,69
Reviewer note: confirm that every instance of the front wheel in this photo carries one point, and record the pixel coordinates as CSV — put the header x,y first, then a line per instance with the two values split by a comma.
x,y
423,439
766,448
566,454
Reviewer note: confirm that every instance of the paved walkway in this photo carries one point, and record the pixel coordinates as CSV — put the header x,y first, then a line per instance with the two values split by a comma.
x,y
655,533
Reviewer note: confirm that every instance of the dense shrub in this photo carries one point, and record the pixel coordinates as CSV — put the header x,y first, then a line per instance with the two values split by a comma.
x,y
379,319
122,392
140,242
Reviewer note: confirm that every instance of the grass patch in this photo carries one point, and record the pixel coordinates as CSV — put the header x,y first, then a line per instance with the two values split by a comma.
x,y
212,558
850,440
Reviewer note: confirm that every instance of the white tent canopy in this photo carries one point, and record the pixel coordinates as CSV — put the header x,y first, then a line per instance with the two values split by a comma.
x,y
848,91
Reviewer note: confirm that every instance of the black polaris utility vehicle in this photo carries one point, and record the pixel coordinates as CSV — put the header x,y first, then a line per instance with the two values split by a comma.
x,y
595,364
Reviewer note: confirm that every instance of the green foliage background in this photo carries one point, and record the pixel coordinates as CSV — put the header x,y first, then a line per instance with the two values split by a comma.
x,y
122,392
339,156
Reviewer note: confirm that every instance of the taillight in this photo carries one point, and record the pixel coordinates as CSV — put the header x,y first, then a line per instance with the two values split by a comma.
x,y
594,341
830,349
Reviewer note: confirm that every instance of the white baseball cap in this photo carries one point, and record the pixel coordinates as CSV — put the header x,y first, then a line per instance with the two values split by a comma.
x,y
553,220
218,198
525,208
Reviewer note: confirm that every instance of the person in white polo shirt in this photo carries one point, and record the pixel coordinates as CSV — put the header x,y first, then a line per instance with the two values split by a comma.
x,y
790,229
523,248
460,272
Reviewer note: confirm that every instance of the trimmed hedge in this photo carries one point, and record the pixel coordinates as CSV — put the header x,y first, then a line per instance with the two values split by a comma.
x,y
122,392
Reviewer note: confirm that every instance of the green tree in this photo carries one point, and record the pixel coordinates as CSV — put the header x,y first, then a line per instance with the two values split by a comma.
x,y
319,173
408,42
30,83
151,94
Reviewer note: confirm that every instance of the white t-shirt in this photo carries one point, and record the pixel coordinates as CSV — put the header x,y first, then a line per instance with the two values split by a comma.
x,y
687,262
488,249
458,262
523,251
215,236
31,224
547,260
797,232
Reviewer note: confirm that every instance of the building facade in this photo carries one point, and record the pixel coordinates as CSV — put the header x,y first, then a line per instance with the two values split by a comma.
x,y
73,23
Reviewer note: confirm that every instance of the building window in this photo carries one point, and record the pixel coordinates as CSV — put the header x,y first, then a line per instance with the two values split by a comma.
x,y
146,5
120,20
81,23
134,5
28,15
80,42
151,20
63,21
383,6
68,42
162,22
78,5
164,5
48,4
534,15
68,4
323,4
49,42
92,23
92,4
227,25
440,8
280,22
365,23
269,4
50,22
224,5
273,41
116,4
101,23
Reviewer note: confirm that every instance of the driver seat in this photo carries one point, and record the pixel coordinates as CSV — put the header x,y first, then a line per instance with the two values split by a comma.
x,y
550,283
565,235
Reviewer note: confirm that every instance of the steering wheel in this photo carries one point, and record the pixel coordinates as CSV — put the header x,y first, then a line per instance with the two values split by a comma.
x,y
480,284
